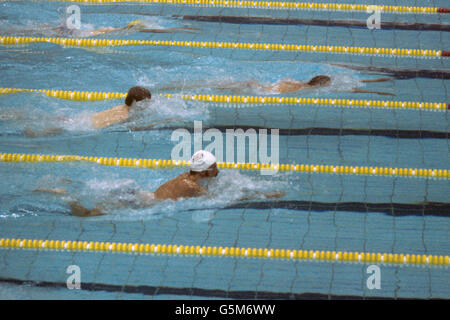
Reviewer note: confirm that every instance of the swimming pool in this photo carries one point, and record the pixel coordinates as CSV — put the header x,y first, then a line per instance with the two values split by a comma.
x,y
348,205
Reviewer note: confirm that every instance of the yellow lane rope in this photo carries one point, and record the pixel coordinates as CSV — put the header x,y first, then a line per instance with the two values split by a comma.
x,y
236,252
275,5
74,42
168,164
226,100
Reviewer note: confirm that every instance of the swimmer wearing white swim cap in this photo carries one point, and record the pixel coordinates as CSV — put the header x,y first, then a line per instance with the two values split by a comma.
x,y
202,161
203,167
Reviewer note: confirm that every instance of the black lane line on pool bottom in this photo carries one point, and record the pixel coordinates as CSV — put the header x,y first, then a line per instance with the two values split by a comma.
x,y
195,292
437,209
386,25
400,134
389,133
401,74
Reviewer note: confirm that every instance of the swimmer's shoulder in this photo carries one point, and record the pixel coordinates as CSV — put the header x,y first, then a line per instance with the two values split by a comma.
x,y
288,85
113,110
110,116
180,187
120,108
289,80
180,181
185,178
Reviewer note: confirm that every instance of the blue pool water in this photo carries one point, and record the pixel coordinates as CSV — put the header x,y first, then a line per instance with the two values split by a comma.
x,y
311,216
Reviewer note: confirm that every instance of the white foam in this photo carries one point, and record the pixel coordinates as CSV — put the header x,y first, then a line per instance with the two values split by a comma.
x,y
162,111
79,122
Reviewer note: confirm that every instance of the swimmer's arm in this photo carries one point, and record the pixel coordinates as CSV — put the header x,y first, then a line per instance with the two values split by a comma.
x,y
377,80
109,117
76,208
286,86
80,211
105,30
357,90
275,194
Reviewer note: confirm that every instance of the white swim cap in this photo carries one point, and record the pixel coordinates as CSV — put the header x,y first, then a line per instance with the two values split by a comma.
x,y
202,160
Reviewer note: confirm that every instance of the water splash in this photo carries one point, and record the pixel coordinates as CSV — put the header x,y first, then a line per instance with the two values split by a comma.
x,y
166,112
228,188
220,75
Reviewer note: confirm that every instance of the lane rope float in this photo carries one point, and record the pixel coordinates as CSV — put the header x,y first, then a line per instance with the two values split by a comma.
x,y
219,251
85,42
233,101
277,5
168,164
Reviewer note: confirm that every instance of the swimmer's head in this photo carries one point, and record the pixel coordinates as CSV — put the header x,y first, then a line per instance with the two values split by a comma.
x,y
204,163
320,81
136,94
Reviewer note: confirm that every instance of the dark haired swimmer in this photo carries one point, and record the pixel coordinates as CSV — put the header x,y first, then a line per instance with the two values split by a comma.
x,y
121,112
283,86
140,26
64,31
187,185
102,119
290,85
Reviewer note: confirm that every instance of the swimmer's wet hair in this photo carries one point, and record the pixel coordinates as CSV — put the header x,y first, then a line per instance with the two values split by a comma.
x,y
138,94
319,81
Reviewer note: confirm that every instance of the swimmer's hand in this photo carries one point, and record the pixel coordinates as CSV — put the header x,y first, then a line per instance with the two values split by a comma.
x,y
135,23
357,90
51,190
104,30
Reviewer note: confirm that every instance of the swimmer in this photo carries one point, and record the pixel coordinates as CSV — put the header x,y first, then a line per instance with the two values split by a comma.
x,y
102,119
283,86
64,31
140,26
121,112
190,184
